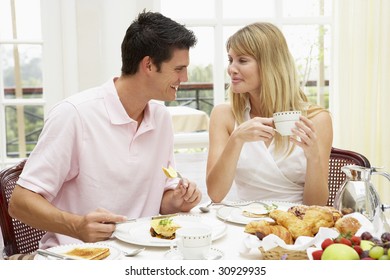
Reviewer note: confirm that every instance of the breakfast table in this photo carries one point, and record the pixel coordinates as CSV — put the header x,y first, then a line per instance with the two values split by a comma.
x,y
229,243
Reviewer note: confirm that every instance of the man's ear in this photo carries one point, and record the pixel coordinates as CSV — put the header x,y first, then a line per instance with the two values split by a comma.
x,y
146,64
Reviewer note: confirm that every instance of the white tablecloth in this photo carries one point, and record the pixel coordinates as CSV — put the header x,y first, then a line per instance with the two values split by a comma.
x,y
230,244
186,119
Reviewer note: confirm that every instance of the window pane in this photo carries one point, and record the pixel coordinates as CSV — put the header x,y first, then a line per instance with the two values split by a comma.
x,y
22,61
29,29
5,20
23,126
197,92
180,9
248,8
202,55
307,8
310,46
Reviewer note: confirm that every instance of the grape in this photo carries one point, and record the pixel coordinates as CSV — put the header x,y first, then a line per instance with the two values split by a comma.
x,y
385,237
366,236
376,252
364,254
376,240
384,257
386,245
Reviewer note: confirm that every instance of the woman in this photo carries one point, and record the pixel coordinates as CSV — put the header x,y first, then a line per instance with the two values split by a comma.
x,y
244,146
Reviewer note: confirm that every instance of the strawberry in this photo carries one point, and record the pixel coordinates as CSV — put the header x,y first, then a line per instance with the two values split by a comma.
x,y
317,254
358,249
326,243
345,241
355,240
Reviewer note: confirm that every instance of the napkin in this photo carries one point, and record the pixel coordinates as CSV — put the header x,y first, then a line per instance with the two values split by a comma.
x,y
271,241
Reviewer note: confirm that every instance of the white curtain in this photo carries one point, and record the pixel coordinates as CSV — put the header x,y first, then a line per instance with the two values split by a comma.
x,y
360,102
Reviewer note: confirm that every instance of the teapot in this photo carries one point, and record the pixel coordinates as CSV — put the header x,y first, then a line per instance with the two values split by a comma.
x,y
357,194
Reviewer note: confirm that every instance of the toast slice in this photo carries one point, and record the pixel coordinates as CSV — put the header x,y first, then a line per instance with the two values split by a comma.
x,y
90,253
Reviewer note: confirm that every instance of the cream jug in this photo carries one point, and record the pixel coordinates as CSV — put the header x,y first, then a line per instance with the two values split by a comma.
x,y
357,193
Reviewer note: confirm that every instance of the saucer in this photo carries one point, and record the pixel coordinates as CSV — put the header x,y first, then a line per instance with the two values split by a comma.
x,y
174,254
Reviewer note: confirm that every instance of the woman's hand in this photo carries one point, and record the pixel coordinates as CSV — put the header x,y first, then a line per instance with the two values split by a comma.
x,y
306,131
256,129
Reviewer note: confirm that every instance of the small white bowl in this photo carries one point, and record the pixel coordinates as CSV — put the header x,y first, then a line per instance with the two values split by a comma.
x,y
285,121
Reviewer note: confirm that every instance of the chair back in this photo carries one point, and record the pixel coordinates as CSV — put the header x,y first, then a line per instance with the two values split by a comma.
x,y
339,158
18,237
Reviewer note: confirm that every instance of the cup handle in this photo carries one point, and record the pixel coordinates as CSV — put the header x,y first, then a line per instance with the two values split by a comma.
x,y
174,243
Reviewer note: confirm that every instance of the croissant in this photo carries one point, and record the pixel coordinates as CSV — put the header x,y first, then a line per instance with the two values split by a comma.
x,y
267,228
317,216
296,226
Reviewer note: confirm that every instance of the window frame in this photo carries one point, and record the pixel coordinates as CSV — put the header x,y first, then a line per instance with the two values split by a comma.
x,y
218,23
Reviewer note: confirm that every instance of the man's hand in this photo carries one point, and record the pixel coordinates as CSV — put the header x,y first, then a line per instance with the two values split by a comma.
x,y
98,225
183,198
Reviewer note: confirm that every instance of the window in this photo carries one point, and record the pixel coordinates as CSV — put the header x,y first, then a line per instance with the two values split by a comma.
x,y
306,25
21,96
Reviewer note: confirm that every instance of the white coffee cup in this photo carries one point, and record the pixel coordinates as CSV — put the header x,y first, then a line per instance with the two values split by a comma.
x,y
285,121
193,243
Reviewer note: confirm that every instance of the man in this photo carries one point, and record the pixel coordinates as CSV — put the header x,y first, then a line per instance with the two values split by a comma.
x,y
100,155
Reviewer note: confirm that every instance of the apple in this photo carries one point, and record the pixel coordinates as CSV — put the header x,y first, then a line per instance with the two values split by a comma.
x,y
339,251
366,245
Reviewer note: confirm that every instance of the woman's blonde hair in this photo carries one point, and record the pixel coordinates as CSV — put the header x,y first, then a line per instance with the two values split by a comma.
x,y
279,81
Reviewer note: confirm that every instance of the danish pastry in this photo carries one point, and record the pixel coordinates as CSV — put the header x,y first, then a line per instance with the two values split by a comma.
x,y
296,226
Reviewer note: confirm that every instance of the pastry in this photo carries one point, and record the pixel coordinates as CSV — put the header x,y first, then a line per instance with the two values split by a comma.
x,y
318,216
265,228
298,210
347,225
295,226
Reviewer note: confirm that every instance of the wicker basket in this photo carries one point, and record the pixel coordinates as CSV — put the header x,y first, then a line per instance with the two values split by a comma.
x,y
279,253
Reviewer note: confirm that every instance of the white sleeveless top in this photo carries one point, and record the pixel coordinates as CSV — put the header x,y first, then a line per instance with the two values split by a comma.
x,y
263,175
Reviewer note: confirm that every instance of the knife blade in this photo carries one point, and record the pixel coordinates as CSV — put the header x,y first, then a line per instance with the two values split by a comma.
x,y
148,218
47,253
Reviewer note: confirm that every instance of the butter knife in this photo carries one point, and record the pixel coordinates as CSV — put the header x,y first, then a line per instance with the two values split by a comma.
x,y
46,253
149,218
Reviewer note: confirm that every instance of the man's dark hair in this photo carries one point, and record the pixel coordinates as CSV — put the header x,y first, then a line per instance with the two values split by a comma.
x,y
154,35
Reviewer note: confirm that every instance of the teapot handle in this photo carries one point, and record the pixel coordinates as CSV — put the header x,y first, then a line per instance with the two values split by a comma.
x,y
374,170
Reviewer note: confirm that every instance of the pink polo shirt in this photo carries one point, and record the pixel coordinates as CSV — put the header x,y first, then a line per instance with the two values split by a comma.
x,y
90,155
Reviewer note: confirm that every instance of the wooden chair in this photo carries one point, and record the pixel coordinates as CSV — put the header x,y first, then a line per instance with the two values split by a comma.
x,y
18,237
339,158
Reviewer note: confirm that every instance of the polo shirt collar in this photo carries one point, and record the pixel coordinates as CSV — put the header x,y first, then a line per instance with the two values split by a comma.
x,y
117,113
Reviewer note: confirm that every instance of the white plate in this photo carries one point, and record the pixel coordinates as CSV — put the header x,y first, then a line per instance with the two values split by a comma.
x,y
234,214
115,253
174,254
139,232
